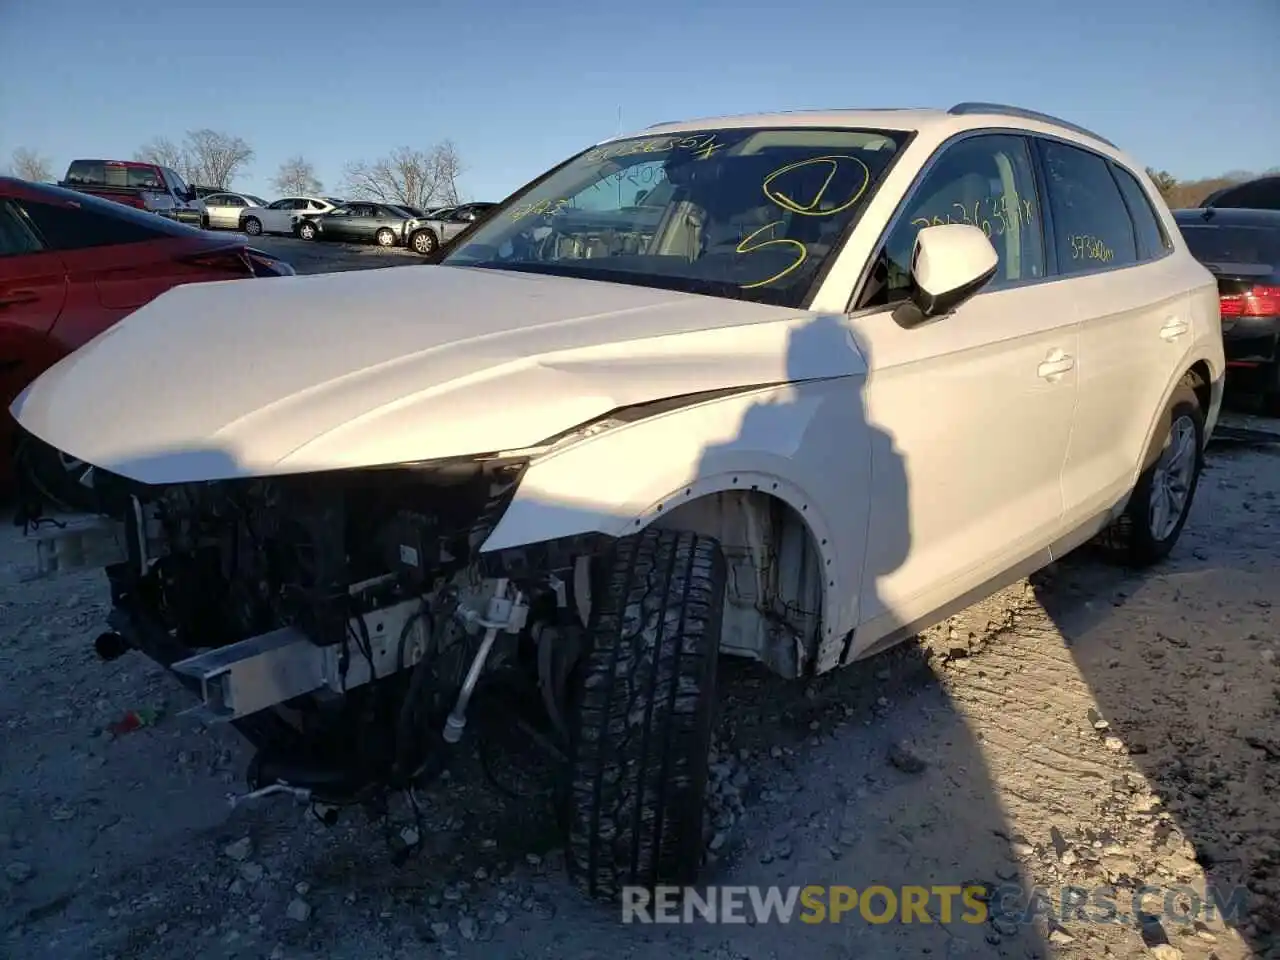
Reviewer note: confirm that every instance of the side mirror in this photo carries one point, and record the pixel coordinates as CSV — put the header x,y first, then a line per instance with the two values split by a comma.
x,y
950,263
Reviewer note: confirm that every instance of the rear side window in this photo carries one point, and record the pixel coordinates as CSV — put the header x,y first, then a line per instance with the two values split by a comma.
x,y
1152,240
67,227
1218,244
1091,225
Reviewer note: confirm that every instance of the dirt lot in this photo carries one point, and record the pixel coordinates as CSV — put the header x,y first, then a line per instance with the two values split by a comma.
x,y
1090,728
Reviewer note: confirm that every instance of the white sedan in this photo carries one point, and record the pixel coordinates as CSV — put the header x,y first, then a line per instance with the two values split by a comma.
x,y
224,208
278,217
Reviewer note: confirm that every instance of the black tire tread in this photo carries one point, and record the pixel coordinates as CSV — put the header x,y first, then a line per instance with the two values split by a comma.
x,y
641,727
1128,537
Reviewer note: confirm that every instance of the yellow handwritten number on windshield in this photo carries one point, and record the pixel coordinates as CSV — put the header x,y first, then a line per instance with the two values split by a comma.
x,y
814,206
746,246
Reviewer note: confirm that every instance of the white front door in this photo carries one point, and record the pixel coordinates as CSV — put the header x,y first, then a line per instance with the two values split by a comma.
x,y
971,414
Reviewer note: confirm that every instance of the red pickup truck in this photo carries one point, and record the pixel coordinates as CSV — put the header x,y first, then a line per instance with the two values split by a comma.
x,y
146,186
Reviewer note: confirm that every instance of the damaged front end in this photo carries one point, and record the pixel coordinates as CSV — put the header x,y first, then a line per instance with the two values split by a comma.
x,y
341,621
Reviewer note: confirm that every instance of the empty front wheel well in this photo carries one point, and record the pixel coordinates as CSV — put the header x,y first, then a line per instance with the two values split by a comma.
x,y
775,588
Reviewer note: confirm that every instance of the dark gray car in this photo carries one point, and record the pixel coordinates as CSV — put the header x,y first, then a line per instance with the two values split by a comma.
x,y
357,222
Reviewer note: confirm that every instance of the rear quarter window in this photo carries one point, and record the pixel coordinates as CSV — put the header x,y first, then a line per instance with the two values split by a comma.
x,y
1152,239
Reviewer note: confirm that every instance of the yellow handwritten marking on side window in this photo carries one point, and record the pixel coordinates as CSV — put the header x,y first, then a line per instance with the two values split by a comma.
x,y
994,215
746,246
810,207
1085,246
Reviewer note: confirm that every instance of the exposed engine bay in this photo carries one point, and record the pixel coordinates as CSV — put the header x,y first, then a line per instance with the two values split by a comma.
x,y
344,622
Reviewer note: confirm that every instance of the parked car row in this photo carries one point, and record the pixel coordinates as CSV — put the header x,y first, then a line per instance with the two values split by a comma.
x,y
391,224
158,189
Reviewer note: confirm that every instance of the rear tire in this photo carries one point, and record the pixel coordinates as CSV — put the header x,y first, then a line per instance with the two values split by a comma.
x,y
385,237
253,226
642,706
308,231
1161,502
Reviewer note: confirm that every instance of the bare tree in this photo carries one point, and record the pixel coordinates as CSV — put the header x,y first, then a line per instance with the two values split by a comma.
x,y
165,153
29,165
207,157
417,177
297,176
218,157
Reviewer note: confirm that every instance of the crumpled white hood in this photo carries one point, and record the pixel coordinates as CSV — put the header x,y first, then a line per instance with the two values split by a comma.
x,y
298,374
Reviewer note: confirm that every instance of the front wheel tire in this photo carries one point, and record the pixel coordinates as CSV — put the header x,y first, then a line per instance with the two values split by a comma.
x,y
1161,501
253,227
385,238
307,231
424,243
641,714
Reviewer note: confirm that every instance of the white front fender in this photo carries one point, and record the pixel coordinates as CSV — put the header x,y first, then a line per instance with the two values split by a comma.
x,y
806,444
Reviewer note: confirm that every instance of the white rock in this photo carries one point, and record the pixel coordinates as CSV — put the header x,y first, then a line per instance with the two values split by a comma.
x,y
239,850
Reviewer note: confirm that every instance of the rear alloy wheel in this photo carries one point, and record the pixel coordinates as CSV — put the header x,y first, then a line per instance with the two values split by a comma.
x,y
642,704
424,243
253,226
1161,501
307,231
385,237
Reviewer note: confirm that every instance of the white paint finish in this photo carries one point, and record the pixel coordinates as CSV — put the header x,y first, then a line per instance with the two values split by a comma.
x,y
281,221
968,444
951,256
355,369
1124,371
807,444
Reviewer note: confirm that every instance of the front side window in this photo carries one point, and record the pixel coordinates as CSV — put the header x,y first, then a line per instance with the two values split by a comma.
x,y
748,213
1091,225
983,181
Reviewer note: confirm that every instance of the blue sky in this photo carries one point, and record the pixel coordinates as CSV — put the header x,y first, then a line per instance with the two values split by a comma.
x,y
521,85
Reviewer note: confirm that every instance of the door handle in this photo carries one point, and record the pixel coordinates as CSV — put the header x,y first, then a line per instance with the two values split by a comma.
x,y
19,297
1174,328
1055,365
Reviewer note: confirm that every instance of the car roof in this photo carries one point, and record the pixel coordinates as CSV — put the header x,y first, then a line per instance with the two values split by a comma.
x,y
1228,217
942,123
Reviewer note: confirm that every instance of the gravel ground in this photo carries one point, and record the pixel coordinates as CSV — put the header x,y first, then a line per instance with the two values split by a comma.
x,y
1088,727
327,257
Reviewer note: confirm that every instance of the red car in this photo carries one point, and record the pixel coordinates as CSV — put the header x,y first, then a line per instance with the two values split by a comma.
x,y
71,265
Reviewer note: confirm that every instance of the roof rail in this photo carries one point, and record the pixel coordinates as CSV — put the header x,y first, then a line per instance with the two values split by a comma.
x,y
1004,110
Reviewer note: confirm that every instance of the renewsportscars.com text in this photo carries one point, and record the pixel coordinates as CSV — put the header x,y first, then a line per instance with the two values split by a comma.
x,y
938,903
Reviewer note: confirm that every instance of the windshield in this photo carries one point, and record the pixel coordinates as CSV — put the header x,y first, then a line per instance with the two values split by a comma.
x,y
409,211
748,213
256,201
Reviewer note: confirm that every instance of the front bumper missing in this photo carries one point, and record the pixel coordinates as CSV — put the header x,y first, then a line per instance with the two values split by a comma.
x,y
242,678
83,544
